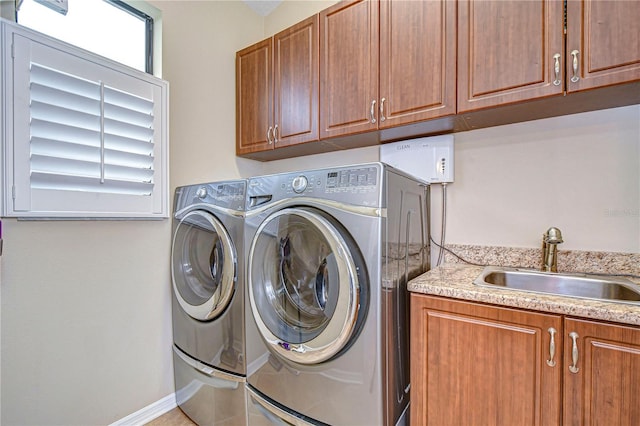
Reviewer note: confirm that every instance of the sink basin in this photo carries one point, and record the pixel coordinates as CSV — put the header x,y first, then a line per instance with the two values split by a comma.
x,y
586,286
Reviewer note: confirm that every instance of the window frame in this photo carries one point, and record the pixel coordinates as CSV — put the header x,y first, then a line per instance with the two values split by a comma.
x,y
148,24
149,28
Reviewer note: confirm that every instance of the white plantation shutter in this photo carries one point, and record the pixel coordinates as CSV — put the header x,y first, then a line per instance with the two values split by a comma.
x,y
88,137
89,140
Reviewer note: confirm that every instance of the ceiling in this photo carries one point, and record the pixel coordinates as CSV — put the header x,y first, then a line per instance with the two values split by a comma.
x,y
263,7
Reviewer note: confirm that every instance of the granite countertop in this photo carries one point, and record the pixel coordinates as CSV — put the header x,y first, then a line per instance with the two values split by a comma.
x,y
455,280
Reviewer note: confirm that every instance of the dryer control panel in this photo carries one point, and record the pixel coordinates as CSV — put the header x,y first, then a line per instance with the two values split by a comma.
x,y
228,194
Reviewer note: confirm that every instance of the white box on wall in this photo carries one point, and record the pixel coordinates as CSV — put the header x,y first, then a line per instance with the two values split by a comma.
x,y
429,158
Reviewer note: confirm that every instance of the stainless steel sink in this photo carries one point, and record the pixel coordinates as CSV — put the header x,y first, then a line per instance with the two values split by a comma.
x,y
586,286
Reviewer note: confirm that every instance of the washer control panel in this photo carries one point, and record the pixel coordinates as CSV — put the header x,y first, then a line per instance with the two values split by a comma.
x,y
299,184
202,192
352,180
353,185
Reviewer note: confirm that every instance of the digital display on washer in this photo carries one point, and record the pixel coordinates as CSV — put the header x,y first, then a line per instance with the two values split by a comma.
x,y
233,191
352,178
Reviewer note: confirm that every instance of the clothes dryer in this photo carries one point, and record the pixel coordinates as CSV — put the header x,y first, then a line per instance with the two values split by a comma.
x,y
329,256
207,270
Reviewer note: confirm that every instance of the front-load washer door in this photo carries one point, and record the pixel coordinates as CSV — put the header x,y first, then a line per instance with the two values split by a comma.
x,y
203,265
307,285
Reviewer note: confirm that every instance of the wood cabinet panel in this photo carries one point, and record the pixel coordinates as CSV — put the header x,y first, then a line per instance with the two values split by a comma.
x,y
605,36
254,97
474,364
506,51
606,387
296,83
348,67
417,61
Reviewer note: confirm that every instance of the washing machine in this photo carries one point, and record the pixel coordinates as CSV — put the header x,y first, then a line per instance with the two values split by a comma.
x,y
207,269
330,253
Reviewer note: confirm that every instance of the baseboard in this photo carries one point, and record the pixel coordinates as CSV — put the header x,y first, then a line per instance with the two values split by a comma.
x,y
148,413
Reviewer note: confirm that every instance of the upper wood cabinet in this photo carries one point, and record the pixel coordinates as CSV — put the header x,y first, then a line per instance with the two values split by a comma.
x,y
277,90
348,68
604,386
254,97
384,64
365,71
512,51
509,51
603,43
417,61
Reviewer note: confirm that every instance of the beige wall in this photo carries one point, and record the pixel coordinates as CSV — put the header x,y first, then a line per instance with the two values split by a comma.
x,y
86,313
580,173
86,325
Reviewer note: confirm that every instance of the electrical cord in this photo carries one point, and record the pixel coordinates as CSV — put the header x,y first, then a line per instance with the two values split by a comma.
x,y
443,248
443,225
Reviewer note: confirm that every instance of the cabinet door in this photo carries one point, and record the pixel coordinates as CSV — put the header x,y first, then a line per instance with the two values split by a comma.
x,y
254,98
348,68
476,364
604,37
605,388
296,83
506,51
417,61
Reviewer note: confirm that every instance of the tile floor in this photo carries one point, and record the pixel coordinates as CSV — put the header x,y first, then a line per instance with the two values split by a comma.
x,y
174,417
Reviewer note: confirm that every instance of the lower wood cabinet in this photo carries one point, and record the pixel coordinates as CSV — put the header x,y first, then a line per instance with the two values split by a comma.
x,y
477,364
604,386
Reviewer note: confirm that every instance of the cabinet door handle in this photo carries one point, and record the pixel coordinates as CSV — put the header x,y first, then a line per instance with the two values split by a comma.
x,y
574,58
556,69
275,134
574,352
382,117
551,362
373,111
269,135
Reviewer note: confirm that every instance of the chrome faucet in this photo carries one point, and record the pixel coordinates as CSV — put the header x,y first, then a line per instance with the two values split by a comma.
x,y
550,241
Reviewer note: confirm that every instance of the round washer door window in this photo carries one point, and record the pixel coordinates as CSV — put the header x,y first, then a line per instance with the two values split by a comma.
x,y
305,285
203,265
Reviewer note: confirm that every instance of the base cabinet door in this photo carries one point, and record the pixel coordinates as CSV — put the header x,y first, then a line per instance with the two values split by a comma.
x,y
480,365
601,374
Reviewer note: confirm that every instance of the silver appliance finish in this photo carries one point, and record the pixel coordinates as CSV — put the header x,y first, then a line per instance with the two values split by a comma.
x,y
207,270
330,253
